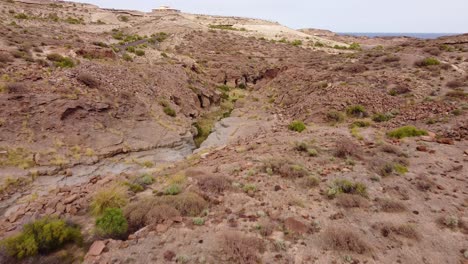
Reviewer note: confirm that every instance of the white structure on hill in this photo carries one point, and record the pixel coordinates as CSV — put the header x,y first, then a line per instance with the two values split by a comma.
x,y
166,9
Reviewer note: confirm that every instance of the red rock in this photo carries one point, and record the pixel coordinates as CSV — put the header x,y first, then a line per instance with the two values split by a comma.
x,y
96,248
295,226
446,141
161,228
177,219
169,255
70,199
421,148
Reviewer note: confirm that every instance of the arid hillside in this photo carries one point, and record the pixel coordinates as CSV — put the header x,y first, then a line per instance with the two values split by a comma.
x,y
166,137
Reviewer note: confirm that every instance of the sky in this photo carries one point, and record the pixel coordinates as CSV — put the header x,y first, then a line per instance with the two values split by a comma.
x,y
403,16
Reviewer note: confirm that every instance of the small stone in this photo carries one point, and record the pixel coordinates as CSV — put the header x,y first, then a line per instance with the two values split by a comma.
x,y
169,255
427,138
277,188
177,219
96,248
70,199
421,148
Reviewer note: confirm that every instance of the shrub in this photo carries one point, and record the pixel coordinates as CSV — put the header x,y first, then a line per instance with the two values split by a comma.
x,y
88,80
354,46
303,147
406,131
127,57
249,188
5,58
187,203
148,213
379,117
427,62
213,184
140,52
112,223
169,111
345,186
351,201
390,206
345,240
109,197
296,42
346,148
41,236
456,94
399,90
240,248
360,123
198,221
16,88
130,49
451,84
391,58
60,61
405,230
356,111
124,18
21,16
297,126
173,189
285,168
335,116
311,181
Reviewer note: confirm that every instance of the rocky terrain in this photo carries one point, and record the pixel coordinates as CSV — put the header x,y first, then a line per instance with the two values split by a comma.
x,y
132,137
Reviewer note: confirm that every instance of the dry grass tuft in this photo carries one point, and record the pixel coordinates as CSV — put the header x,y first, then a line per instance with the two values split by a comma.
x,y
345,148
213,184
285,168
390,206
148,213
345,240
351,201
241,249
88,80
405,230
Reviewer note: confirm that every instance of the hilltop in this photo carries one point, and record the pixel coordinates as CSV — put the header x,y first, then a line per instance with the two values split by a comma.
x,y
167,137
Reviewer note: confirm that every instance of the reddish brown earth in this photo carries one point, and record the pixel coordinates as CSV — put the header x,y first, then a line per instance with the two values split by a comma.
x,y
256,191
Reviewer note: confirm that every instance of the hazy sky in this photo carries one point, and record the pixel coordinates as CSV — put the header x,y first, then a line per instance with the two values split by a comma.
x,y
421,16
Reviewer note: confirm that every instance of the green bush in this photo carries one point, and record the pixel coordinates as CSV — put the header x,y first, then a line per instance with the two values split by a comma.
x,y
354,46
406,131
109,197
173,189
360,123
356,111
379,117
21,16
130,49
112,223
345,186
60,61
297,126
42,236
169,111
335,116
198,221
127,57
140,52
296,42
427,62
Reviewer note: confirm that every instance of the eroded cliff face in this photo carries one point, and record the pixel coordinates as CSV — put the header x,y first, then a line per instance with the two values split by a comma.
x,y
298,161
